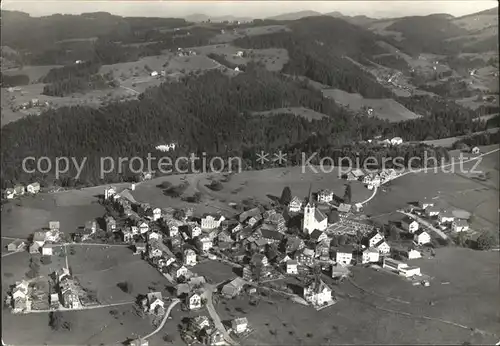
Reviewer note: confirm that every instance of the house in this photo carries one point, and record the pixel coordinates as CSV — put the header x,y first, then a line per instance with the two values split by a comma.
x,y
239,54
224,237
305,257
475,150
291,267
109,192
370,255
293,244
35,248
204,244
237,228
412,254
237,69
409,271
313,218
193,301
432,211
154,303
110,224
199,323
409,224
325,196
156,213
9,193
421,237
343,255
192,230
143,226
139,342
383,248
295,205
344,208
189,257
375,239
33,188
239,325
154,236
318,236
354,174
271,237
39,237
425,203
396,141
19,190
253,220
47,249
16,245
459,225
210,222
323,250
54,225
393,264
446,217
259,259
233,288
318,293
128,235
140,248
154,73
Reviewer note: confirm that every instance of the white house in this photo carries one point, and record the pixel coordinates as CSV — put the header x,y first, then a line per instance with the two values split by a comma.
x,y
375,239
325,196
295,205
460,225
239,325
189,257
109,192
194,230
9,193
292,267
413,254
193,301
475,150
383,248
421,237
446,217
409,271
239,54
210,222
392,264
47,249
396,141
409,224
370,255
425,203
432,211
205,244
318,293
343,255
154,73
143,227
33,188
156,214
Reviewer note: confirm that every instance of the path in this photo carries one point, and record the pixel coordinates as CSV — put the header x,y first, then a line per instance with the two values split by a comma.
x,y
433,168
215,316
130,89
425,223
11,253
175,301
79,309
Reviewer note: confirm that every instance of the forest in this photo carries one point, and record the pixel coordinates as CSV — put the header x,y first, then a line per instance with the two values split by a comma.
x,y
212,113
15,80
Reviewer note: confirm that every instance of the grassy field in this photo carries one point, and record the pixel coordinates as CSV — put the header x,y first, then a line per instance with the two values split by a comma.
x,y
33,72
382,108
214,271
449,141
306,113
253,31
33,213
449,190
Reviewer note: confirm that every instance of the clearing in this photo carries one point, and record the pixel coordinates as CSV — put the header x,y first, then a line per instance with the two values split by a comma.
x,y
306,113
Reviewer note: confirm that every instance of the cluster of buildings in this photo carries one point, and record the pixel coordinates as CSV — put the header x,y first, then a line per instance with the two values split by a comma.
x,y
439,217
66,291
372,179
200,329
46,240
20,190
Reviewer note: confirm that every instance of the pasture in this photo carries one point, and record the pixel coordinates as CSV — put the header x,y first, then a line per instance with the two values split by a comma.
x,y
34,73
214,271
306,113
382,108
229,36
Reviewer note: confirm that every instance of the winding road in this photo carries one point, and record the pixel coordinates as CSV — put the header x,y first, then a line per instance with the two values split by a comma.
x,y
215,316
175,301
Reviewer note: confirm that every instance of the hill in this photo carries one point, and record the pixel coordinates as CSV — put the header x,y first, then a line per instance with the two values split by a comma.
x,y
295,15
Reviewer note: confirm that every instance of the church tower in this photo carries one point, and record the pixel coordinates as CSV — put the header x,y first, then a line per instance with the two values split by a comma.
x,y
309,223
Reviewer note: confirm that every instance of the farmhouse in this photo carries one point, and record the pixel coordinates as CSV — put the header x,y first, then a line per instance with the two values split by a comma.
x,y
325,196
396,141
239,325
382,247
305,256
39,237
153,303
233,288
295,205
318,293
140,248
33,188
412,254
204,244
370,255
460,225
193,301
35,248
54,225
409,224
292,267
199,323
154,73
446,217
16,245
343,255
421,237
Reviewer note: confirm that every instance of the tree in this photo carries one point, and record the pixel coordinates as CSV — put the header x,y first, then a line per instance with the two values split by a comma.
x,y
334,242
394,233
333,217
486,241
286,196
165,185
342,239
347,194
125,286
57,322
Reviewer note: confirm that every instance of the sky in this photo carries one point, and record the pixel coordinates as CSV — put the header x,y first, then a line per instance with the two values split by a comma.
x,y
247,8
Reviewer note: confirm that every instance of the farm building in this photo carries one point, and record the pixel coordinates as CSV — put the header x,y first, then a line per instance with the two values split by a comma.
x,y
425,203
9,193
239,325
33,188
16,245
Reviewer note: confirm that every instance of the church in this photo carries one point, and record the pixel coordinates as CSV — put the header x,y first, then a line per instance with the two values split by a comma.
x,y
313,217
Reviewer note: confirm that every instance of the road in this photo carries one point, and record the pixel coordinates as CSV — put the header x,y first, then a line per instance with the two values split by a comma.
x,y
82,308
215,316
431,168
425,223
175,301
11,253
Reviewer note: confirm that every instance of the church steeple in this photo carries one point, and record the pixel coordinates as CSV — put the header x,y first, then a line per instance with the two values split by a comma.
x,y
310,199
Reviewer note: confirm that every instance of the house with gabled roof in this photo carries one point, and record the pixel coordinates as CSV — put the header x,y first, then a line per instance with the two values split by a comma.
x,y
193,301
189,257
292,267
239,325
295,205
33,188
325,196
370,255
343,255
318,236
421,237
16,245
459,225
318,293
383,247
409,224
374,239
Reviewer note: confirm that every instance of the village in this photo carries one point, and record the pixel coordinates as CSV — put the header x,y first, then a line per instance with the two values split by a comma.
x,y
291,247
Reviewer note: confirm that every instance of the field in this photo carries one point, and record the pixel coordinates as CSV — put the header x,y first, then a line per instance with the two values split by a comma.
x,y
253,31
33,72
449,141
214,271
260,185
306,113
382,108
33,213
273,58
364,318
450,190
